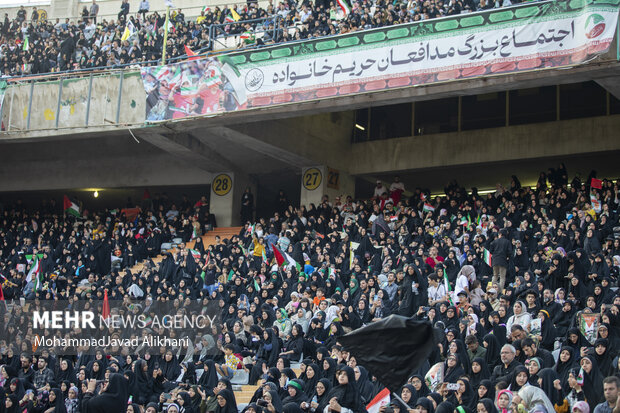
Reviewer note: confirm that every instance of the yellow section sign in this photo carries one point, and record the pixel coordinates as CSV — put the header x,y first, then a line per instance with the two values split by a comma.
x,y
222,184
312,179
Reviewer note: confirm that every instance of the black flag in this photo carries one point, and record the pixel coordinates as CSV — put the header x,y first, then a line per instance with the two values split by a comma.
x,y
391,349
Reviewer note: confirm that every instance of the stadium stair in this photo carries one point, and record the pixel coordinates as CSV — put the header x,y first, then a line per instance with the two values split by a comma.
x,y
244,393
207,239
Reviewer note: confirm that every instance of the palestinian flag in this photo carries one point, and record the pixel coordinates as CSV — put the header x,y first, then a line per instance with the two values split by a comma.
x,y
292,263
428,207
488,258
344,6
70,207
195,254
279,257
580,377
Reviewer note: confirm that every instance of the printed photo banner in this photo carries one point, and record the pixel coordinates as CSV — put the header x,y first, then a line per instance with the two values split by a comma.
x,y
501,41
588,325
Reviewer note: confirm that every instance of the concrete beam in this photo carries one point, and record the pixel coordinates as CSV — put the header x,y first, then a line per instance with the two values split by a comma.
x,y
235,137
611,84
188,148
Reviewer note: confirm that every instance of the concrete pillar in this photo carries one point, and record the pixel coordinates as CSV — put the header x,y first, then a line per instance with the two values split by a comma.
x,y
65,8
322,180
226,191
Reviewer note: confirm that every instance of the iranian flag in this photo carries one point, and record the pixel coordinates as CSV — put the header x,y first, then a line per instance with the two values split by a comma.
x,y
344,6
195,254
251,229
70,207
428,207
191,54
280,260
35,270
256,285
194,233
446,284
488,258
380,400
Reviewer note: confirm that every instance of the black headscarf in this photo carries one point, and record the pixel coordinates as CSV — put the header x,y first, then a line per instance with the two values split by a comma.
x,y
59,401
209,377
489,405
323,400
487,384
593,383
347,394
493,348
114,399
563,368
231,405
483,374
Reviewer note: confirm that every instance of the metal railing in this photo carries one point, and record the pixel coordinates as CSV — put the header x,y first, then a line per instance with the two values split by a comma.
x,y
219,31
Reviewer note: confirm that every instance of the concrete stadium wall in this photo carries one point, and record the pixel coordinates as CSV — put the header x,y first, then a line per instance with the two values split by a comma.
x,y
542,140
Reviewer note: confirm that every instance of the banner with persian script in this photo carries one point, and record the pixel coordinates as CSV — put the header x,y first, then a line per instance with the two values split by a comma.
x,y
522,38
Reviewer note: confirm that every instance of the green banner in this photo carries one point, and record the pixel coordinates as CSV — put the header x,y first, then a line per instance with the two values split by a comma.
x,y
531,36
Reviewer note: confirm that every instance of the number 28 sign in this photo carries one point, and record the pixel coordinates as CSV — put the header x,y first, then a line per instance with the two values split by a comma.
x,y
222,184
312,179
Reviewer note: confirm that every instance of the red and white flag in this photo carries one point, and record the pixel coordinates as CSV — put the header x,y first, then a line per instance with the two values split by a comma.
x,y
381,399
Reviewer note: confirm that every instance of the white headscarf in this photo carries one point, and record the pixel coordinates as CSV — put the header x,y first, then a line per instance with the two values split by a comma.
x,y
533,396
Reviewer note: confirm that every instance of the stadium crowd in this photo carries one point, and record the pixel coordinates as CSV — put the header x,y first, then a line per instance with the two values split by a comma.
x,y
36,45
510,336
